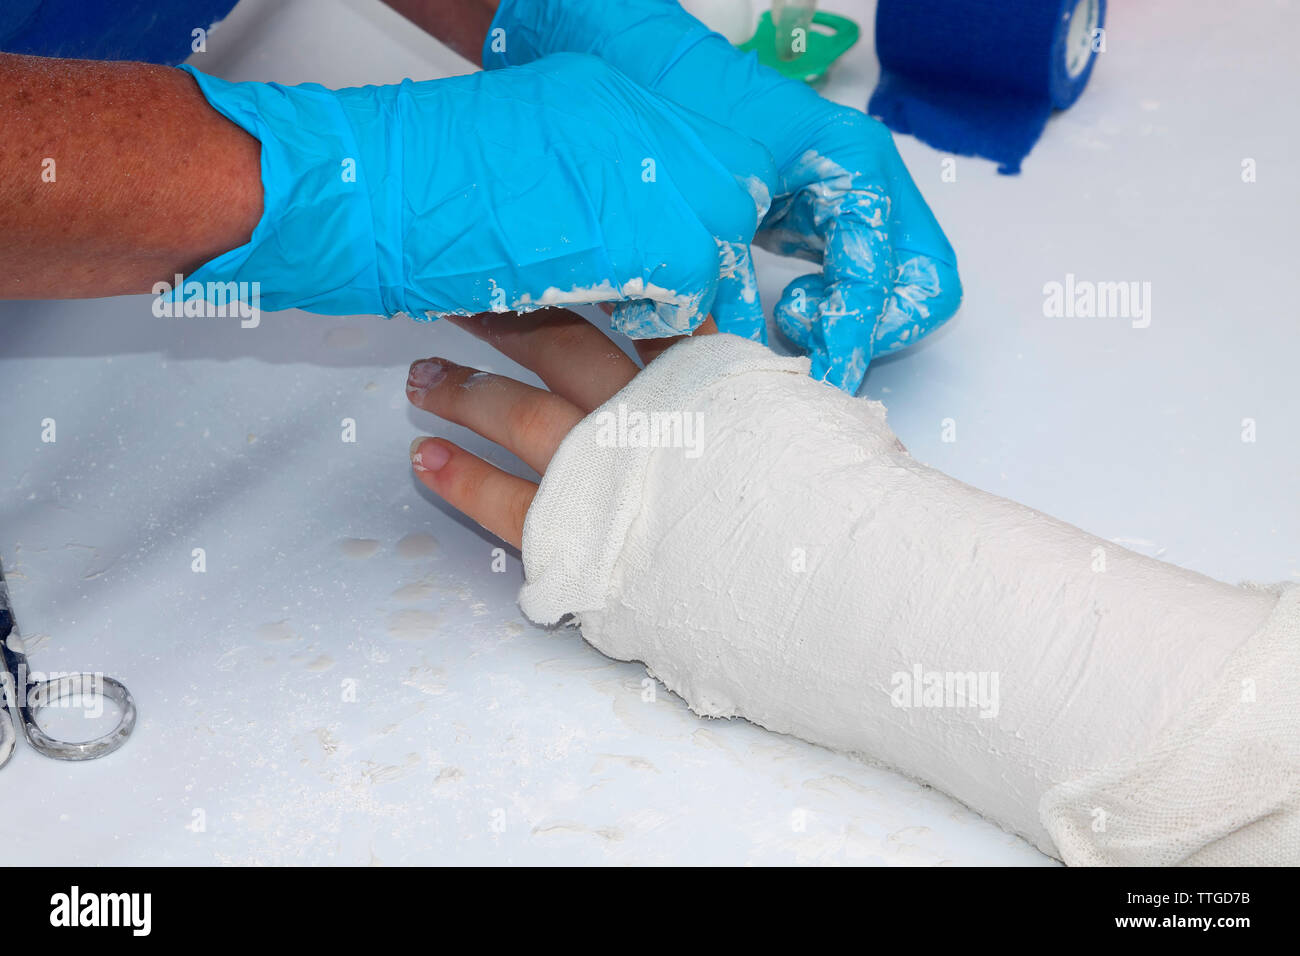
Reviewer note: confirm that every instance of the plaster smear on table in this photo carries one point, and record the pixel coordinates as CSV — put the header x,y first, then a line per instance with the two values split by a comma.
x,y
413,625
416,545
360,548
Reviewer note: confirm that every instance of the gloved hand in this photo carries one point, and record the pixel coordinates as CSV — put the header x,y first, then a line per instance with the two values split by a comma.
x,y
558,182
845,199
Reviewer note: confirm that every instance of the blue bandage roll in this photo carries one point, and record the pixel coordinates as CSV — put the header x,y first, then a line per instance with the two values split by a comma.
x,y
981,77
155,31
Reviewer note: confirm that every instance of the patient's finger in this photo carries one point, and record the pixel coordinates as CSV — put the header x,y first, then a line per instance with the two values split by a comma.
x,y
527,421
573,357
496,500
651,349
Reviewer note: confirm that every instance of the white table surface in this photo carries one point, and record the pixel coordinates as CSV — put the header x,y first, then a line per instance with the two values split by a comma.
x,y
478,738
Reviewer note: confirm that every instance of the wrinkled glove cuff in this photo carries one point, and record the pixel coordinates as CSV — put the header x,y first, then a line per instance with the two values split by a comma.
x,y
324,176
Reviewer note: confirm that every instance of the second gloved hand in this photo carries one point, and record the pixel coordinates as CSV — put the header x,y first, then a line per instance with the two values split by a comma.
x,y
559,182
844,199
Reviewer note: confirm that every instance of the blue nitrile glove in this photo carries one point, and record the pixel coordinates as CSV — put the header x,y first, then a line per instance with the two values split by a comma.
x,y
559,182
845,199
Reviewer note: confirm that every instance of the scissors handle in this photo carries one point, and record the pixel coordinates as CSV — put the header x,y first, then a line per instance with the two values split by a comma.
x,y
44,693
8,724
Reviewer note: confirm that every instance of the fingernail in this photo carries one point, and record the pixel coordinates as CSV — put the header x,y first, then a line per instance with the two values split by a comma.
x,y
425,374
431,458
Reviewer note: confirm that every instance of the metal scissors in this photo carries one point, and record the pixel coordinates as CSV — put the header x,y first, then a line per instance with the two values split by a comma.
x,y
21,698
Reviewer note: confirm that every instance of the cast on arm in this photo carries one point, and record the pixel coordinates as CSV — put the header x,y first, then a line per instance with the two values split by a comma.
x,y
770,551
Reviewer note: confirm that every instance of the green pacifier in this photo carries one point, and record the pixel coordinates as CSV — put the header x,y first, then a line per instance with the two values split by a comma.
x,y
825,45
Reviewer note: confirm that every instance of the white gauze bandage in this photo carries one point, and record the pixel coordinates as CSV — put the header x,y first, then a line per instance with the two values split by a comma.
x,y
790,563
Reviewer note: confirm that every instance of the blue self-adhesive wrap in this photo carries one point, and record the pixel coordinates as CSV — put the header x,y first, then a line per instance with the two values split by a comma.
x,y
155,31
981,77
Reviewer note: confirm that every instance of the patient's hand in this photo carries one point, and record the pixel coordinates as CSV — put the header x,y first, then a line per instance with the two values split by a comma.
x,y
579,364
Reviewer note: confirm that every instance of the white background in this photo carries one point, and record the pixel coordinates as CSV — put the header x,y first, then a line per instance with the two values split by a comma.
x,y
479,738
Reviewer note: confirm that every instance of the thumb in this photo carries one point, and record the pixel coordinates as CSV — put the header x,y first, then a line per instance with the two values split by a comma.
x,y
838,339
737,308
835,315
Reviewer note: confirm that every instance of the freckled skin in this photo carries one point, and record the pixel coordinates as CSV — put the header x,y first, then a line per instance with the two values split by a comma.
x,y
149,180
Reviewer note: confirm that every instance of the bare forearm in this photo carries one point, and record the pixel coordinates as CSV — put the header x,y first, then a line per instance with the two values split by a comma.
x,y
114,176
461,24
